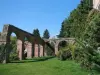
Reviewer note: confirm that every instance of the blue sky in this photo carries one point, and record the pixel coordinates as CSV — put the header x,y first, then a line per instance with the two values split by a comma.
x,y
32,14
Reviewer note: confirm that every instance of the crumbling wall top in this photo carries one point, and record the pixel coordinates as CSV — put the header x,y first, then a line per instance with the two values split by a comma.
x,y
5,28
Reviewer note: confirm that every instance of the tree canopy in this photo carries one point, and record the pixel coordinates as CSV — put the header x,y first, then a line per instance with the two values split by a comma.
x,y
83,24
46,34
75,24
36,33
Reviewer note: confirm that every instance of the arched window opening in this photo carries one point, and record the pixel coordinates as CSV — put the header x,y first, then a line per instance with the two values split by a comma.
x,y
62,45
13,47
25,47
52,51
64,51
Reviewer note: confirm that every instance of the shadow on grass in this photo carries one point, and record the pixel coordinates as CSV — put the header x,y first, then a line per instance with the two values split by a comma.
x,y
32,60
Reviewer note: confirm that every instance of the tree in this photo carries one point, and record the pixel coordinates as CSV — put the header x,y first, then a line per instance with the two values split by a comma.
x,y
76,23
36,33
84,25
65,31
46,34
62,31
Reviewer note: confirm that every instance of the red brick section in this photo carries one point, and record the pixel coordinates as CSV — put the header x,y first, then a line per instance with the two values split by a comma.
x,y
45,51
20,49
36,50
41,50
29,50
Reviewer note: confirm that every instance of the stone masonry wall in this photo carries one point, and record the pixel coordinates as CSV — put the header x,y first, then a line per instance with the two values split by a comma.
x,y
96,4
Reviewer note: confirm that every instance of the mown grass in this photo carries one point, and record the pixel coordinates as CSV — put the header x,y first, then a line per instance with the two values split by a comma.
x,y
42,67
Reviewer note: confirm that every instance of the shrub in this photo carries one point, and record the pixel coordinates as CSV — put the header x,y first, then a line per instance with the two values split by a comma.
x,y
67,52
49,51
78,54
87,56
72,48
1,52
13,52
14,56
13,48
64,54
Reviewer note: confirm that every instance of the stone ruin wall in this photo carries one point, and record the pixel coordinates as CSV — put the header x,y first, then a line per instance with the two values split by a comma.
x,y
2,39
96,4
3,35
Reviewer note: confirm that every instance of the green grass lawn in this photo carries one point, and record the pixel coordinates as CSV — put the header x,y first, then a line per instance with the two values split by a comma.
x,y
47,67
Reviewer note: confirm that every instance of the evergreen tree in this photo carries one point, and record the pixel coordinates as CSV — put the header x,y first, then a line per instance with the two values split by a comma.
x,y
36,33
62,31
76,23
65,31
46,34
84,25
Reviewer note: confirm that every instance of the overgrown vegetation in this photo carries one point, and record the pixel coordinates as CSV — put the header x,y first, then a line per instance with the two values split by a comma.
x,y
83,24
67,52
1,47
13,48
13,55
